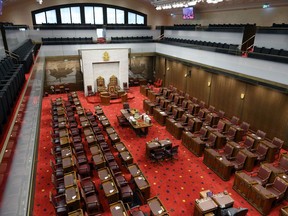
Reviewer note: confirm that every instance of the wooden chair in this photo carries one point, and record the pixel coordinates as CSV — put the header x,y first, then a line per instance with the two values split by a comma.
x,y
125,86
89,90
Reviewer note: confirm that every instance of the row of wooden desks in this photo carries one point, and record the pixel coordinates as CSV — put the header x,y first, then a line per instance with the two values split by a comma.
x,y
213,204
154,144
154,203
140,181
256,194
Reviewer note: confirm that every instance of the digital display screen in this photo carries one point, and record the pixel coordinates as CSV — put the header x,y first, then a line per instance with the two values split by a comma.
x,y
188,13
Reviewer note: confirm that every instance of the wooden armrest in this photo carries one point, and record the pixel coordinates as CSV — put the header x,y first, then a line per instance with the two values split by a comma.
x,y
253,173
268,185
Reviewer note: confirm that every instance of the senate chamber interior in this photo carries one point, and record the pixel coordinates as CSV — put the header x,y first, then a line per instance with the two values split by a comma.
x,y
143,107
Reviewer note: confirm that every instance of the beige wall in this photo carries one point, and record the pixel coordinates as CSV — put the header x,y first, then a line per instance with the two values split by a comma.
x,y
262,17
263,108
20,13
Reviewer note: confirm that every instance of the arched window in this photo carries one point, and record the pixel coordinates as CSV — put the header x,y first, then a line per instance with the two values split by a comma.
x,y
85,13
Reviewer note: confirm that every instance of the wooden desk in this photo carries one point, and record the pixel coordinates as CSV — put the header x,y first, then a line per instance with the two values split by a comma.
x,y
223,168
148,106
152,145
66,152
104,174
144,90
78,212
250,160
91,140
102,118
223,200
262,199
99,161
160,116
85,124
187,139
156,206
270,157
204,206
95,150
68,164
275,171
256,138
239,133
126,158
139,125
105,123
114,138
110,130
143,186
82,118
120,147
197,146
210,158
236,147
88,131
62,125
110,191
70,179
243,183
118,209
63,132
72,198
99,112
220,140
134,170
170,122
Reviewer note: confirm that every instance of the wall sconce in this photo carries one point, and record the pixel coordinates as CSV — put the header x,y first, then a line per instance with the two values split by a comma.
x,y
167,68
209,83
188,74
242,96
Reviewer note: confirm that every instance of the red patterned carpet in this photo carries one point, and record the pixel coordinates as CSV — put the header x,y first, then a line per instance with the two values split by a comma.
x,y
177,184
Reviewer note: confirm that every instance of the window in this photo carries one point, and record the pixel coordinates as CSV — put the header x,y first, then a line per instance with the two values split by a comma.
x,y
98,12
70,15
111,18
51,16
46,17
135,18
89,15
140,19
120,17
40,18
75,15
131,18
65,15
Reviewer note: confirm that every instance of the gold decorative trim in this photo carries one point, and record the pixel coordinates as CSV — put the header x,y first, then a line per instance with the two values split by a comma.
x,y
106,56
